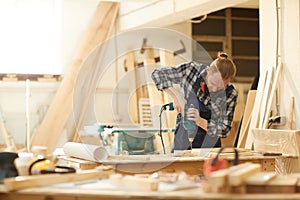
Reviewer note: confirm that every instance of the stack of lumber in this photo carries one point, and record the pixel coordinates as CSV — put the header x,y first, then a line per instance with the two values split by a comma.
x,y
248,178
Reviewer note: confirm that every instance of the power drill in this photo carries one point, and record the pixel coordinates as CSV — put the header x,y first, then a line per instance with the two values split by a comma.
x,y
189,125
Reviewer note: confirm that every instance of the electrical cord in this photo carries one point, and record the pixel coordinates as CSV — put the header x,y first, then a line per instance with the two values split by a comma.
x,y
160,129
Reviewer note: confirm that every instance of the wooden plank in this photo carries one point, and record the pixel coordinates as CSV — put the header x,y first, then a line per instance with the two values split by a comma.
x,y
219,178
167,59
257,183
272,93
291,114
246,118
255,111
244,133
265,97
260,179
282,184
49,131
155,97
237,177
134,182
22,182
132,86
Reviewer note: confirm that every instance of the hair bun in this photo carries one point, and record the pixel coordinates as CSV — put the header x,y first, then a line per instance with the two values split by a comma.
x,y
222,55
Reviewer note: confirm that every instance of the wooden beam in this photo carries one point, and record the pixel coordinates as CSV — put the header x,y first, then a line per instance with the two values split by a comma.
x,y
272,93
132,85
156,100
246,118
49,131
22,182
219,178
238,177
167,59
291,114
255,112
155,96
134,182
265,97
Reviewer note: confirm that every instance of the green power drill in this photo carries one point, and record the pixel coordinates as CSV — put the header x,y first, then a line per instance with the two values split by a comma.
x,y
189,125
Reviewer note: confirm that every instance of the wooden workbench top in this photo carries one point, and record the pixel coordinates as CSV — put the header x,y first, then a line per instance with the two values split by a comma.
x,y
56,193
192,164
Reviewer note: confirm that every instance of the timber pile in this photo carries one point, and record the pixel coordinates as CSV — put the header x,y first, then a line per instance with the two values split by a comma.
x,y
248,178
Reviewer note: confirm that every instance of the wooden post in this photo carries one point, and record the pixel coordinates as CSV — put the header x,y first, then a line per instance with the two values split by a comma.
x,y
134,97
49,131
167,59
155,97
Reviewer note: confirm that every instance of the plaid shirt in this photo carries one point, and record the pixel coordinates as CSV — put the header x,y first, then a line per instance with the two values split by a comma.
x,y
221,103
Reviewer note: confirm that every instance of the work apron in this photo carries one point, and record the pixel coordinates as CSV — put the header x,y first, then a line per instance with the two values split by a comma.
x,y
201,140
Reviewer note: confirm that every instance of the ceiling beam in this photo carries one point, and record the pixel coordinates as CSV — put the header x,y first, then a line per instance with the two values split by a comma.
x,y
166,12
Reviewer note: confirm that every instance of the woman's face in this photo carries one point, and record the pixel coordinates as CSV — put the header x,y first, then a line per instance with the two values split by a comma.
x,y
214,79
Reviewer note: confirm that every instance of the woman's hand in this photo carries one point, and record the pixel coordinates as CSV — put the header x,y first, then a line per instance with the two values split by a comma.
x,y
179,103
179,100
194,115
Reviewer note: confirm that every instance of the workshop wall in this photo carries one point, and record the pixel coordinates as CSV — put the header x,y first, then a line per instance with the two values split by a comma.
x,y
288,53
75,18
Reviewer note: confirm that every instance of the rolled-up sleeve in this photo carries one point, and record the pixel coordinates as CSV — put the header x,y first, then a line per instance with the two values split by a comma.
x,y
165,77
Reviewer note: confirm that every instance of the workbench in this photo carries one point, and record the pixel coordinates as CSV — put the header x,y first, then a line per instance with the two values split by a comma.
x,y
56,193
193,165
128,164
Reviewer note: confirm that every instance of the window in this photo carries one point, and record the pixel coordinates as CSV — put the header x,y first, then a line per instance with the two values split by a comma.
x,y
30,41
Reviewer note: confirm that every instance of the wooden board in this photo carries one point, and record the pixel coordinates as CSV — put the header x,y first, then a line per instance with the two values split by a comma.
x,y
22,182
167,59
219,178
291,114
132,86
260,179
156,98
237,177
134,182
246,118
255,112
272,93
49,131
265,97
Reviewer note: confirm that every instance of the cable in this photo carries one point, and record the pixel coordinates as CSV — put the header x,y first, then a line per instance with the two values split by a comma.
x,y
160,129
164,107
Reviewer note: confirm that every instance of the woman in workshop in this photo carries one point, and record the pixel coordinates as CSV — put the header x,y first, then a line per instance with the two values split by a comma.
x,y
209,89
